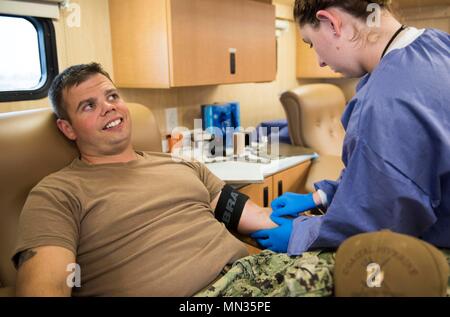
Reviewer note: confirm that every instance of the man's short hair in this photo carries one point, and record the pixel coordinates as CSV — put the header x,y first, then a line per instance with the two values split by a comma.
x,y
305,10
70,77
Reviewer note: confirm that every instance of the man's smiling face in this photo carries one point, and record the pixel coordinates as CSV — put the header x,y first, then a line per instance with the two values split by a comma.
x,y
99,119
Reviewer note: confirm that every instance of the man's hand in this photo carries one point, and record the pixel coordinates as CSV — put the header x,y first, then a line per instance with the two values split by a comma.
x,y
43,271
291,204
276,239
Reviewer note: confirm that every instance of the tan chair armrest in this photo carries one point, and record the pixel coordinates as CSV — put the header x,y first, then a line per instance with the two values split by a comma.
x,y
7,292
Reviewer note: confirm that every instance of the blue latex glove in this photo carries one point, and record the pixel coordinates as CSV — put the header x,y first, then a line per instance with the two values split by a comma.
x,y
291,204
275,239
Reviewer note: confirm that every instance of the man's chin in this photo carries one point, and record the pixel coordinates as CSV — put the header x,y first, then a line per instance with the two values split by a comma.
x,y
120,145
117,146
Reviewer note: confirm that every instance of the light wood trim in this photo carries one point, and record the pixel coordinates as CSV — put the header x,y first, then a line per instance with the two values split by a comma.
x,y
293,179
203,31
308,63
285,2
284,12
256,191
420,3
426,13
140,43
402,3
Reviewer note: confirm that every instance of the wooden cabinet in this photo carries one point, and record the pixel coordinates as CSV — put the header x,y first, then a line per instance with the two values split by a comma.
x,y
308,63
290,180
260,194
175,43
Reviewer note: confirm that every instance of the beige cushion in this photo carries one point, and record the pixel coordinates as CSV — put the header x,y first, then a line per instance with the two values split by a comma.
x,y
313,113
32,147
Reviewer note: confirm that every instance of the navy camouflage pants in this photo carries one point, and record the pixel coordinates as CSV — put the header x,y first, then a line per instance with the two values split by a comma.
x,y
277,274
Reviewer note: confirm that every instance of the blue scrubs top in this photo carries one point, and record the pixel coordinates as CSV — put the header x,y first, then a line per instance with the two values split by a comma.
x,y
396,153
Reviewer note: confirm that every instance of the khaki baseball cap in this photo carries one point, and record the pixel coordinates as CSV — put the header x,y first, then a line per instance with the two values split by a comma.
x,y
385,263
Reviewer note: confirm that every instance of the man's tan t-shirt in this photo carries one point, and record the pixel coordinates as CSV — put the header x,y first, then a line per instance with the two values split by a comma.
x,y
142,228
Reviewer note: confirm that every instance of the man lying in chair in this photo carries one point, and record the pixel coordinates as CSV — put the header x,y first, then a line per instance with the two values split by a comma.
x,y
126,222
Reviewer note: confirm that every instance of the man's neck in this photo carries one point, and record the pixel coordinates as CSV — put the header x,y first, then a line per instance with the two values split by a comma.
x,y
371,53
124,157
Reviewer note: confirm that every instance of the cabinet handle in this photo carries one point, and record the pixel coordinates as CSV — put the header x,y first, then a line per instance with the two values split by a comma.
x,y
232,61
266,197
280,188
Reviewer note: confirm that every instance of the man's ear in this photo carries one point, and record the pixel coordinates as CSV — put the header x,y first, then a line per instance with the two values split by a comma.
x,y
331,20
67,129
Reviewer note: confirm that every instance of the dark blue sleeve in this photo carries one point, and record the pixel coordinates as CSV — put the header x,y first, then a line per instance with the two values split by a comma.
x,y
372,195
329,187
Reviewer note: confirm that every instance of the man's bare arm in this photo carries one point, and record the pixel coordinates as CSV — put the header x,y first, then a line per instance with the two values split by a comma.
x,y
43,271
253,217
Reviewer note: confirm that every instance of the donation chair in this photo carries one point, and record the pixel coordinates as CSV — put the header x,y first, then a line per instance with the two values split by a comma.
x,y
31,148
313,113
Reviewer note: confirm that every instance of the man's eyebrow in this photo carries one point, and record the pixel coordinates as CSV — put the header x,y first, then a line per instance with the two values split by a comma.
x,y
92,100
82,102
107,92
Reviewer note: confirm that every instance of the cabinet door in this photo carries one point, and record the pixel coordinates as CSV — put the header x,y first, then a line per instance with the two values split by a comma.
x,y
291,180
308,63
139,43
204,34
260,194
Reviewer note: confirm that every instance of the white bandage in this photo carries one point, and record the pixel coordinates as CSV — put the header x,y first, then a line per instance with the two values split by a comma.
x,y
323,198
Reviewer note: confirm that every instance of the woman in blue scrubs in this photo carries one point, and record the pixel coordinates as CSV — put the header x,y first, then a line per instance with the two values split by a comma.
x,y
397,146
